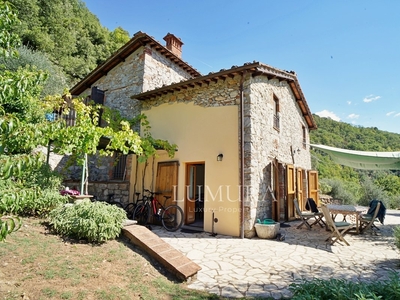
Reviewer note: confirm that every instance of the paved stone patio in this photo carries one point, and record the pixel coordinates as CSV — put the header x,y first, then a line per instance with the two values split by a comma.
x,y
234,267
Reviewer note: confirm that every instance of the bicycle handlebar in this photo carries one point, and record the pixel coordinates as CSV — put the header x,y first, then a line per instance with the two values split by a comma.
x,y
152,193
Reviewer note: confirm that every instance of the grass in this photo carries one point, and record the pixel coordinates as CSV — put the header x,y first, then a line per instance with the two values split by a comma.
x,y
36,264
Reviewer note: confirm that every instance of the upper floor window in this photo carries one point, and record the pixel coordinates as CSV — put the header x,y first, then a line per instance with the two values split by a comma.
x,y
276,113
304,137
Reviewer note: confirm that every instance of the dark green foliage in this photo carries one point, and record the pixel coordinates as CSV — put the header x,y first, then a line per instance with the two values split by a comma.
x,y
349,184
396,235
68,33
56,82
344,135
340,289
340,190
92,221
8,224
33,191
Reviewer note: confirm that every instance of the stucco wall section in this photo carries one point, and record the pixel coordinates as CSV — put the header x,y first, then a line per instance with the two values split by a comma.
x,y
263,143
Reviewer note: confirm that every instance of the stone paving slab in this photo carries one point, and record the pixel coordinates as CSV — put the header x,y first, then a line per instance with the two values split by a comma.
x,y
233,267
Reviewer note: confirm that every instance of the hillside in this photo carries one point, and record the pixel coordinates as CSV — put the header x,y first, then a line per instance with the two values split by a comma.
x,y
67,33
346,136
348,184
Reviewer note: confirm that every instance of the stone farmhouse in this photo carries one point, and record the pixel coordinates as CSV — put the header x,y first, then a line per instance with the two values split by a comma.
x,y
242,135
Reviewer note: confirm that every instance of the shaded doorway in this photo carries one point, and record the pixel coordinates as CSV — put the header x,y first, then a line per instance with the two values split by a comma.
x,y
194,194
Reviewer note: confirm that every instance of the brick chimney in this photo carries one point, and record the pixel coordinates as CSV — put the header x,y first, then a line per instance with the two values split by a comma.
x,y
174,44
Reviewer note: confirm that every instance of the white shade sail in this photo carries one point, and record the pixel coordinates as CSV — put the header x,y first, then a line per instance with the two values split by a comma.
x,y
366,160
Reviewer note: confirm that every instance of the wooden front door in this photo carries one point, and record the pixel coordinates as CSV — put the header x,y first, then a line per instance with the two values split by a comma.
x,y
313,186
167,181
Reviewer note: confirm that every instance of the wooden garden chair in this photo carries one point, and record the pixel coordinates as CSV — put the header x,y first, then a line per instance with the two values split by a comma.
x,y
367,220
338,229
305,216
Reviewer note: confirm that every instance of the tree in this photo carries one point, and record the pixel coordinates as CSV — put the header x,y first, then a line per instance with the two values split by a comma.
x,y
68,33
56,83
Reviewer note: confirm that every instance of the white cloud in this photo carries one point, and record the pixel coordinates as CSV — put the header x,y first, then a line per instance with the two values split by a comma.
x,y
390,113
353,116
349,102
371,98
397,115
328,114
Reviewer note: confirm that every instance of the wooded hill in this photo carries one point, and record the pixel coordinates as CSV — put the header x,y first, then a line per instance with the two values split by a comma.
x,y
349,184
68,34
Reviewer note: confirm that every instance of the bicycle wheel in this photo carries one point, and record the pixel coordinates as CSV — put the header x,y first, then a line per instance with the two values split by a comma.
x,y
130,209
172,218
142,214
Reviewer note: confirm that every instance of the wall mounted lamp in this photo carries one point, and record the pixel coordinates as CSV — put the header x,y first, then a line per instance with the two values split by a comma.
x,y
220,157
298,151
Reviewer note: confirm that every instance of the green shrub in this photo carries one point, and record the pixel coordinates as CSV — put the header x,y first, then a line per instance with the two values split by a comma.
x,y
32,191
396,234
340,190
340,289
372,191
29,201
92,221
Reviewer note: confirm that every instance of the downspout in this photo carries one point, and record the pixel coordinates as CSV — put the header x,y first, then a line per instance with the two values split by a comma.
x,y
241,156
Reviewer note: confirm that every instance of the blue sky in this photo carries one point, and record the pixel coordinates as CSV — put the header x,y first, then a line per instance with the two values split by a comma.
x,y
346,53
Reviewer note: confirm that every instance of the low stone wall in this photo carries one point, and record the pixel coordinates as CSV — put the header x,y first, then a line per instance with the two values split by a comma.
x,y
102,189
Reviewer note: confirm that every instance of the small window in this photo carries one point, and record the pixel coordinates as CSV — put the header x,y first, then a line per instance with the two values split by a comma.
x,y
304,137
276,113
119,170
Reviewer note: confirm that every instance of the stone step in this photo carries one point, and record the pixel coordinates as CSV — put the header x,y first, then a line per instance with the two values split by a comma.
x,y
173,260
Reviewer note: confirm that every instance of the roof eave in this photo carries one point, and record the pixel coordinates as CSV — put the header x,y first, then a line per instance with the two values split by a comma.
x,y
255,68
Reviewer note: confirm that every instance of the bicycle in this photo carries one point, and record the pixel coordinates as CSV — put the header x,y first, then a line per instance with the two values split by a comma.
x,y
171,217
129,208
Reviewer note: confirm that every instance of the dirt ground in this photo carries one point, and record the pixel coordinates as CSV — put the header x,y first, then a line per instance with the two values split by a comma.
x,y
36,264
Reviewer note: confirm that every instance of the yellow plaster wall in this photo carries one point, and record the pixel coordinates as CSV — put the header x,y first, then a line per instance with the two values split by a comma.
x,y
201,134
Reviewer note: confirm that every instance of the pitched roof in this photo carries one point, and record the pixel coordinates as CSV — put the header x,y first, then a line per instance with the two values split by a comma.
x,y
255,68
138,40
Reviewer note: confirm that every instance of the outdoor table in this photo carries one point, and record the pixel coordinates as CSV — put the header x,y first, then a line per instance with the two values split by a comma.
x,y
351,211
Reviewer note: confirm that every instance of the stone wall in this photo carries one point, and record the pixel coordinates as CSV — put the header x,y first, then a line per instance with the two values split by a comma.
x,y
102,189
143,70
220,93
263,143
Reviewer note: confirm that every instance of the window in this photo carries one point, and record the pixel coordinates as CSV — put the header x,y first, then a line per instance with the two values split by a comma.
x,y
276,113
119,167
304,137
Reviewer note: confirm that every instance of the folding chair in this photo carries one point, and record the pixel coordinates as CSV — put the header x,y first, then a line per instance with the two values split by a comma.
x,y
312,206
338,229
367,220
305,216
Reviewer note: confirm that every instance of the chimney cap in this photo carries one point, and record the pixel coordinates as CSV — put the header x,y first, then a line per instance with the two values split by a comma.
x,y
171,36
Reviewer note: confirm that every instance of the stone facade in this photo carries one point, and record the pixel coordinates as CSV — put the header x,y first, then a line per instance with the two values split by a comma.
x,y
143,70
147,69
264,143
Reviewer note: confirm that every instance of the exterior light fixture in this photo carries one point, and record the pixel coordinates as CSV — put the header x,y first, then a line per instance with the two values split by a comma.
x,y
220,157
